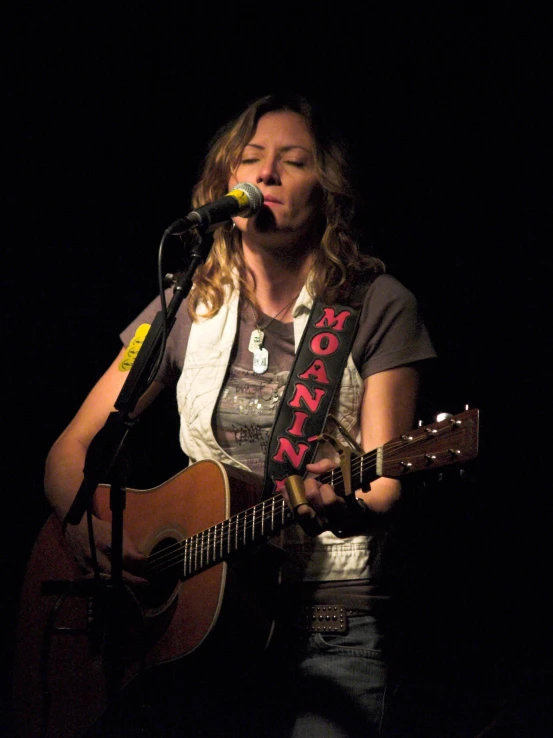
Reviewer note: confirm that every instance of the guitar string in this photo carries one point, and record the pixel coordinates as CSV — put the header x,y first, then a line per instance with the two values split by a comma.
x,y
246,519
215,546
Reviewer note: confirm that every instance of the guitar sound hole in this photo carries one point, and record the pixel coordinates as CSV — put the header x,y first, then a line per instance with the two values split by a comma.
x,y
165,576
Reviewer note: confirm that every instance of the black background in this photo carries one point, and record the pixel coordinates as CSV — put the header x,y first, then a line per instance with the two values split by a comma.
x,y
107,114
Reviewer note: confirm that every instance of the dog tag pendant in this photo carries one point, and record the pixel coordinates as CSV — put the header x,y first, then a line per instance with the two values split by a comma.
x,y
260,361
256,340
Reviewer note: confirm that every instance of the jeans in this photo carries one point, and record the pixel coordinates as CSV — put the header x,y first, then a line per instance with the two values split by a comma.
x,y
330,685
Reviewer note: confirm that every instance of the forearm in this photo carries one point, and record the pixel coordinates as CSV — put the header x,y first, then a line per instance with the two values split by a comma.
x,y
62,480
64,470
64,473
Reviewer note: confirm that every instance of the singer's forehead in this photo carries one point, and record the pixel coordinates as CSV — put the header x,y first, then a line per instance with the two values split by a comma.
x,y
283,130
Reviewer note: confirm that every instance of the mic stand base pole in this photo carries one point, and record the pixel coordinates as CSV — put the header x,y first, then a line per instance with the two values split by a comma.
x,y
105,461
115,587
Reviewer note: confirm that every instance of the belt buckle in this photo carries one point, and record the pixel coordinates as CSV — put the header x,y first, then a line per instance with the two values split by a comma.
x,y
326,619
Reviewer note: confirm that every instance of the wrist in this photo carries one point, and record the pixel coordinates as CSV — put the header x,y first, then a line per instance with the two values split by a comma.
x,y
353,518
357,518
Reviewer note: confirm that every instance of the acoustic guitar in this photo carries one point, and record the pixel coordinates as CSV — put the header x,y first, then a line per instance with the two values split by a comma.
x,y
212,571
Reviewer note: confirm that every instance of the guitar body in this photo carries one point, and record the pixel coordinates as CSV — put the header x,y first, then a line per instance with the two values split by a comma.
x,y
62,678
213,582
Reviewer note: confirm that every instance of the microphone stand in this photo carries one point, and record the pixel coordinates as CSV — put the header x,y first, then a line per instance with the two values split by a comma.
x,y
106,461
107,445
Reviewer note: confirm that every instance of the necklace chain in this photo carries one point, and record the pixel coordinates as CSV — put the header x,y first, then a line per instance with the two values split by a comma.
x,y
260,354
282,310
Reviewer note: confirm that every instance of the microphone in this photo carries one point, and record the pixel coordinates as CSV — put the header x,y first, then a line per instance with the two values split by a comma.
x,y
244,199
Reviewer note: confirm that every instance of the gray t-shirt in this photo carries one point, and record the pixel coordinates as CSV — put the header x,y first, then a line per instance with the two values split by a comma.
x,y
391,333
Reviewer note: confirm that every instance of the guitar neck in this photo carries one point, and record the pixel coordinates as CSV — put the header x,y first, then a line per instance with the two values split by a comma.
x,y
453,440
257,523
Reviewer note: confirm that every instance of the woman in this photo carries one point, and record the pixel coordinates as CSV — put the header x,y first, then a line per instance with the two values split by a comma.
x,y
254,294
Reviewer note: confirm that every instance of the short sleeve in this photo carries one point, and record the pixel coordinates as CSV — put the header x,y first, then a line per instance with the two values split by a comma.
x,y
177,341
391,329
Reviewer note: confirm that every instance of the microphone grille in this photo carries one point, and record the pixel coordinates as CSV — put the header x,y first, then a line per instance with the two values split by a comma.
x,y
255,198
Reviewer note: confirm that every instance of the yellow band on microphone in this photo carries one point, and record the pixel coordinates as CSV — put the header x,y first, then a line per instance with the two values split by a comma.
x,y
134,347
241,196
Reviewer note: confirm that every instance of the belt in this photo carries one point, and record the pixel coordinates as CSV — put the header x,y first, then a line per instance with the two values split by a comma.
x,y
327,618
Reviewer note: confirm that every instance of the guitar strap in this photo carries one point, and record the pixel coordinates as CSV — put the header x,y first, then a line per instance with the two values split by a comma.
x,y
303,409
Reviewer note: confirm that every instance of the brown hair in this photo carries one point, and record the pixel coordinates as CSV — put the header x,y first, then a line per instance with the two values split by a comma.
x,y
339,262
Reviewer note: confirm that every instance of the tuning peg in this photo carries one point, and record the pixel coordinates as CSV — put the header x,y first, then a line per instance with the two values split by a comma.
x,y
443,416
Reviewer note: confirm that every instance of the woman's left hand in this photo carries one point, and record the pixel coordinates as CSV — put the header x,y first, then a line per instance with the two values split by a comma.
x,y
323,509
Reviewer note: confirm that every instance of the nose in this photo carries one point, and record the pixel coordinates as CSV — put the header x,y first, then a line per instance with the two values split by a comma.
x,y
268,171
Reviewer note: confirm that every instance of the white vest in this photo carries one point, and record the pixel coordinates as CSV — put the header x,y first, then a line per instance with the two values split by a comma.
x,y
324,557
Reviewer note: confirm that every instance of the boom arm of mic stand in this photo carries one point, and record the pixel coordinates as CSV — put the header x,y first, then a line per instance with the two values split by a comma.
x,y
108,442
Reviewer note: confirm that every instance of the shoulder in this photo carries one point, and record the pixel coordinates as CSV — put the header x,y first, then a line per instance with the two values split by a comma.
x,y
386,292
388,284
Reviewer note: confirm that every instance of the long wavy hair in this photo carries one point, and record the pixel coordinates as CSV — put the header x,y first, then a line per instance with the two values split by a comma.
x,y
338,261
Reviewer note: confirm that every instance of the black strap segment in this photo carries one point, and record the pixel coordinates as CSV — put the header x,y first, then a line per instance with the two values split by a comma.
x,y
315,375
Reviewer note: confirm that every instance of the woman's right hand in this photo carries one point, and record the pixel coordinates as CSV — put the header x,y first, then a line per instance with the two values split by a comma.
x,y
78,540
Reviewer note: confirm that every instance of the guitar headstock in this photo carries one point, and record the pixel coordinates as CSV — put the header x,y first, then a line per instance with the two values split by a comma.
x,y
452,440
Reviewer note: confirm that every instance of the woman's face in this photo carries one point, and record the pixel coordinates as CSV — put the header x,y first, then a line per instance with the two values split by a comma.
x,y
280,160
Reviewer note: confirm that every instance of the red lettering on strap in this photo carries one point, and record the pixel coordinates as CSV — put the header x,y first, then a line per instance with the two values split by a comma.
x,y
303,394
331,320
280,485
286,449
296,429
324,344
317,371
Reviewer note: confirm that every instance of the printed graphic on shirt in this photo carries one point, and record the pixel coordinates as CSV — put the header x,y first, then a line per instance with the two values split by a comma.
x,y
246,412
248,402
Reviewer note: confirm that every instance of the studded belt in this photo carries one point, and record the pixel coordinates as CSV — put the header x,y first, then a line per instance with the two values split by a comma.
x,y
327,618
